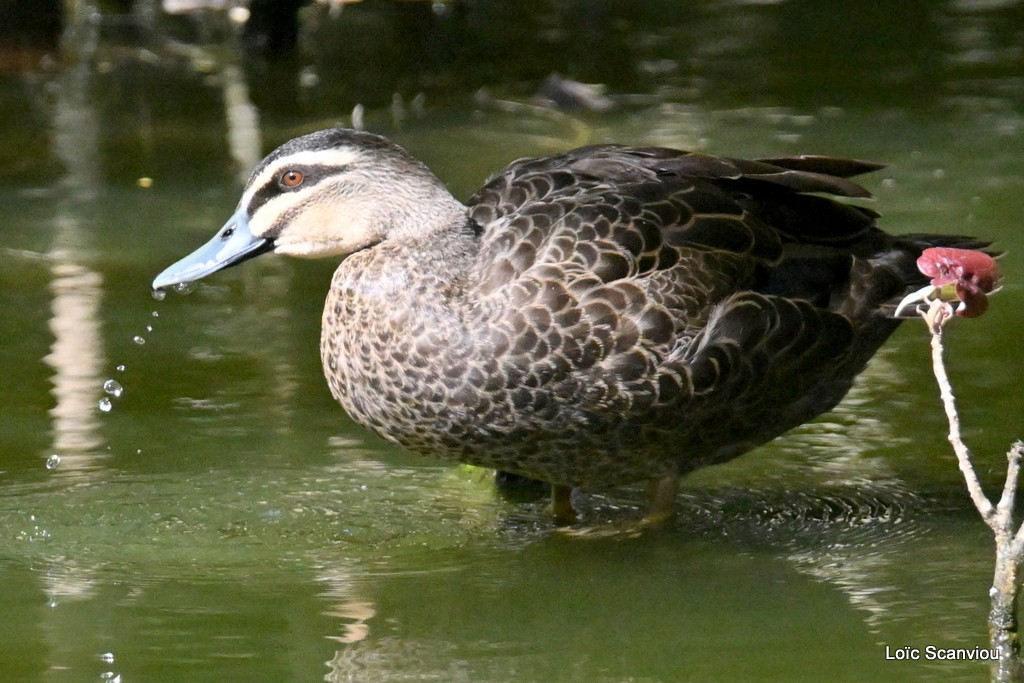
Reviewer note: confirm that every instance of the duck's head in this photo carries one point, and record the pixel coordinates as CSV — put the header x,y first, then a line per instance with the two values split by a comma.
x,y
328,193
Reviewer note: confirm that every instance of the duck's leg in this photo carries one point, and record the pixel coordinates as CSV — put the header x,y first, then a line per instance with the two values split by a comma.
x,y
661,499
561,504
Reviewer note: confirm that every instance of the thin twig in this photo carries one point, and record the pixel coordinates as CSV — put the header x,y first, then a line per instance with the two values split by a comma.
x,y
1009,497
936,317
1013,458
1002,616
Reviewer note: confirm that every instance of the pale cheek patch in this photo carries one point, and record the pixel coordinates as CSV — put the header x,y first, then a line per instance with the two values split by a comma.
x,y
316,220
319,231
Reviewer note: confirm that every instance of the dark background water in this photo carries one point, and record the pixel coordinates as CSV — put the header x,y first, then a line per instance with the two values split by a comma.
x,y
224,520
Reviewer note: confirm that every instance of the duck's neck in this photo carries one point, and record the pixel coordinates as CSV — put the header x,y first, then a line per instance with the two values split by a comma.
x,y
394,336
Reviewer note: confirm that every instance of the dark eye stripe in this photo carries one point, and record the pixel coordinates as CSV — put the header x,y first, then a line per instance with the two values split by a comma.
x,y
313,174
285,218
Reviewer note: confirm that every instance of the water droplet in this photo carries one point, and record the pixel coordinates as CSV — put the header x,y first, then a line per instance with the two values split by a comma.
x,y
105,405
138,340
107,657
149,328
113,388
120,368
159,294
52,462
184,287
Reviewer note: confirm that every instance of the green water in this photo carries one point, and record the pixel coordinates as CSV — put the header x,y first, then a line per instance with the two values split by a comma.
x,y
225,521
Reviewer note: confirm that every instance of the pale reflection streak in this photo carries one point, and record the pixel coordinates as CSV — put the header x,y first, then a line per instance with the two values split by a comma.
x,y
76,355
242,119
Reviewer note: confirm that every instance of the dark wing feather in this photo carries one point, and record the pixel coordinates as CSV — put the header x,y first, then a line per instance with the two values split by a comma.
x,y
614,212
643,281
840,168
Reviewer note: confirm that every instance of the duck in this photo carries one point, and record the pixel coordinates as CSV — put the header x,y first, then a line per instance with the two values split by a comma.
x,y
601,317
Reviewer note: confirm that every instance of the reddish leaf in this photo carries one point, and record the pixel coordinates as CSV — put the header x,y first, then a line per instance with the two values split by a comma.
x,y
973,273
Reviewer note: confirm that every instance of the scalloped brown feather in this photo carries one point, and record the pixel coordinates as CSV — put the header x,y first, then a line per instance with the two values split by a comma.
x,y
620,313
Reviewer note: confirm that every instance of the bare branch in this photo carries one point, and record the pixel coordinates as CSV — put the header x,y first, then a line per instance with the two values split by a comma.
x,y
1008,499
936,316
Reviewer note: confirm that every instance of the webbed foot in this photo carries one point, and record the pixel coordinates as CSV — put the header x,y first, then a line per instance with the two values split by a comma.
x,y
661,512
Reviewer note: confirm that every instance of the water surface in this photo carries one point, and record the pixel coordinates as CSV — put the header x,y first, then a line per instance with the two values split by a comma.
x,y
224,520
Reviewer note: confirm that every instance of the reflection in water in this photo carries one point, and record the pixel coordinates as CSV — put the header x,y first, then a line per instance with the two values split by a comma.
x,y
389,660
76,357
850,530
243,121
77,353
354,615
67,581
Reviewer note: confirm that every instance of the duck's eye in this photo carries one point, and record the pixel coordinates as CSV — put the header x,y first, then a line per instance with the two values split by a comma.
x,y
292,178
